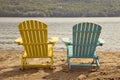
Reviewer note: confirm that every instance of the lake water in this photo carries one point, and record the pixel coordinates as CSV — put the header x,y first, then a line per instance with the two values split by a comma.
x,y
61,27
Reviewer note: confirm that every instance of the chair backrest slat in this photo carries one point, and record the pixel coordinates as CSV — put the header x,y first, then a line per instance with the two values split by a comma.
x,y
85,37
34,36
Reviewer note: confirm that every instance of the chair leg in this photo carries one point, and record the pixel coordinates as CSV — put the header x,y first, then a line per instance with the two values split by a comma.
x,y
97,62
23,62
52,61
69,66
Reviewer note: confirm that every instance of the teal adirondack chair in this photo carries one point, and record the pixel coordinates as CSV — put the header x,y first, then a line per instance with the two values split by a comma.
x,y
84,42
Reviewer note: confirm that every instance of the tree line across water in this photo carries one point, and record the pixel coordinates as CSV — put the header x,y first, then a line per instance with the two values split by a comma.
x,y
59,8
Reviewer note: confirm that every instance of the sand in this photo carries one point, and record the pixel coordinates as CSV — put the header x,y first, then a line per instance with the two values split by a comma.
x,y
10,61
109,53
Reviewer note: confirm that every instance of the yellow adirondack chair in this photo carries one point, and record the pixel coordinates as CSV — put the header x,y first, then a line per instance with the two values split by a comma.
x,y
34,38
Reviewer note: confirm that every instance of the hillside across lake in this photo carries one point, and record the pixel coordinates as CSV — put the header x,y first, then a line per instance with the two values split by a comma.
x,y
59,8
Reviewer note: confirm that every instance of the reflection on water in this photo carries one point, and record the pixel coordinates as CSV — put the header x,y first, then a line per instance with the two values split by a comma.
x,y
62,27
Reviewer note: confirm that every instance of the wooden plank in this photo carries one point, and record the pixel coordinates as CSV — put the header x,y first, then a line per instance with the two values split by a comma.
x,y
85,33
34,35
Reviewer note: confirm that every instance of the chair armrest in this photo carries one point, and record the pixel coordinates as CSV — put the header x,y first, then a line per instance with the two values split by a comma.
x,y
100,42
53,40
19,41
66,41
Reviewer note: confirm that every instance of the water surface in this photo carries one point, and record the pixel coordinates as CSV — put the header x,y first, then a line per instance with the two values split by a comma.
x,y
61,27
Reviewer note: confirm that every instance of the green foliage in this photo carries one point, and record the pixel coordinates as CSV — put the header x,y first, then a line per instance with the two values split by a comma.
x,y
59,8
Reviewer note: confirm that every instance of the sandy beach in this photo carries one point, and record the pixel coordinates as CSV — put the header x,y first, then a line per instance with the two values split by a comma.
x,y
109,53
10,61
